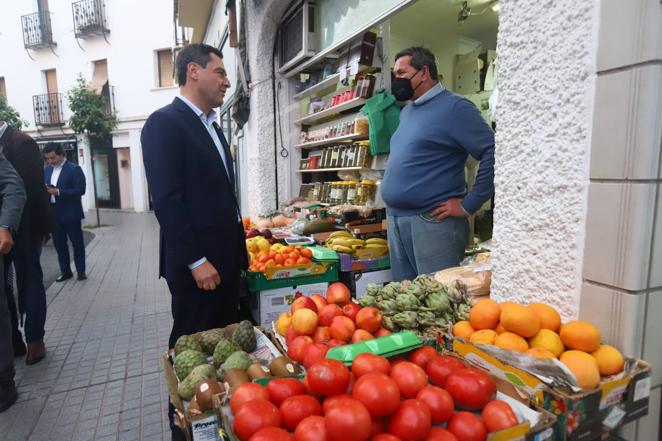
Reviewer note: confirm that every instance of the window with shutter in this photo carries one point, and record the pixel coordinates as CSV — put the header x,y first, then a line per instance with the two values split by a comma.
x,y
166,73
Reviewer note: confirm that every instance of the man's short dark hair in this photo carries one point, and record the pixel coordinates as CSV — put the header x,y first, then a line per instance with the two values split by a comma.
x,y
53,147
420,57
194,53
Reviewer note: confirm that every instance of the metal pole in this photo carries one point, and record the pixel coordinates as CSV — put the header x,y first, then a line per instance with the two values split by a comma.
x,y
94,183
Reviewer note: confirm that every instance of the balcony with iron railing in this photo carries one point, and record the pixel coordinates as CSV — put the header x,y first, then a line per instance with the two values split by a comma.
x,y
37,30
48,109
89,18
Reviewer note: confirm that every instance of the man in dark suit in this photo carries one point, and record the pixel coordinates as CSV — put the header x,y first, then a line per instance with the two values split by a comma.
x,y
37,223
191,180
12,194
65,182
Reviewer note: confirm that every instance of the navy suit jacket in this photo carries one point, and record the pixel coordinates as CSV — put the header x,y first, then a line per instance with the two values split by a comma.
x,y
71,184
193,196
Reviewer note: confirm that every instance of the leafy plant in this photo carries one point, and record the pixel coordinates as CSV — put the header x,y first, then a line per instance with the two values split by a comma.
x,y
10,116
89,111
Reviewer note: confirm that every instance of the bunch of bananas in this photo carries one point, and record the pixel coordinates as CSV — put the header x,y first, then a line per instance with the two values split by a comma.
x,y
345,242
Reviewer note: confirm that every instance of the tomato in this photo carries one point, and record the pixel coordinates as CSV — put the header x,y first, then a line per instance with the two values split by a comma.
x,y
422,355
334,400
253,416
439,434
279,258
282,388
411,422
264,258
440,367
312,428
247,392
369,319
314,353
294,409
271,434
328,377
350,310
272,254
303,261
367,362
438,401
289,262
385,437
409,377
467,427
378,392
287,250
307,253
498,415
349,422
294,255
470,388
377,427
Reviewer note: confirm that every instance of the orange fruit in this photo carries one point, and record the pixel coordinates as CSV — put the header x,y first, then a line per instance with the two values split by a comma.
x,y
520,320
502,304
500,329
463,329
511,341
484,336
583,366
580,335
484,315
540,353
549,317
610,360
547,339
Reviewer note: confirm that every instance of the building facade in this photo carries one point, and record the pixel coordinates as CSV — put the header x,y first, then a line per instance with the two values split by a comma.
x,y
123,49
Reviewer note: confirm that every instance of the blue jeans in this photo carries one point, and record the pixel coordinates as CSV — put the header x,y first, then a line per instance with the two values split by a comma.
x,y
421,244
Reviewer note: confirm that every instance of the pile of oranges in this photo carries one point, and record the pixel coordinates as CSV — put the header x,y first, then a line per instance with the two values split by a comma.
x,y
537,330
280,256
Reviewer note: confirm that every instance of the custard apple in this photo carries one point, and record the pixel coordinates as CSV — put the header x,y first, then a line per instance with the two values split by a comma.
x,y
244,336
186,388
238,360
186,361
223,350
186,342
209,339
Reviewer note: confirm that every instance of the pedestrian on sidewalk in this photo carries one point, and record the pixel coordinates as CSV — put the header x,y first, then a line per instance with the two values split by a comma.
x,y
65,182
13,200
37,223
191,179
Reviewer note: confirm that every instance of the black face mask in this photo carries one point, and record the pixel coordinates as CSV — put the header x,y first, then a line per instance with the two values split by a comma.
x,y
401,87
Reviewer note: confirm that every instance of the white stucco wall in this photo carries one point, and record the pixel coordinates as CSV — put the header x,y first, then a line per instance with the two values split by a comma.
x,y
546,76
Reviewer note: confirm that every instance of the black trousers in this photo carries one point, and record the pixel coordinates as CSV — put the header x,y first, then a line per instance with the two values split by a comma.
x,y
73,231
6,348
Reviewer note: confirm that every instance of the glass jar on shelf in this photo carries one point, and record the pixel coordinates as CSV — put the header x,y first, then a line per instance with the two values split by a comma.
x,y
342,198
351,192
365,192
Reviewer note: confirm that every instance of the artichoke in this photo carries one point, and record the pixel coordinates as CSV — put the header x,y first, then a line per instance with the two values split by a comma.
x,y
367,300
438,301
457,292
415,290
387,323
426,318
406,319
387,307
391,290
372,289
407,302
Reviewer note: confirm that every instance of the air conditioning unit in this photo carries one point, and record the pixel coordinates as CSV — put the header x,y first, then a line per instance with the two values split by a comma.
x,y
297,35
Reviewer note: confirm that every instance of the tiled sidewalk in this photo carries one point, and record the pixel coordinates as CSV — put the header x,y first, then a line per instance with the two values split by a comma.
x,y
101,379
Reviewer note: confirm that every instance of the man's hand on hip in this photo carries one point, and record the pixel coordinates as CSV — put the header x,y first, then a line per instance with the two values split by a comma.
x,y
206,276
450,208
6,241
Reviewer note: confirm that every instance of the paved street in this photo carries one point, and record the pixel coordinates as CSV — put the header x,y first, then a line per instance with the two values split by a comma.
x,y
101,379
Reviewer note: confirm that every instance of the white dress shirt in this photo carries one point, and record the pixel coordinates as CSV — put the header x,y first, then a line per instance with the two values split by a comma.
x,y
57,169
3,127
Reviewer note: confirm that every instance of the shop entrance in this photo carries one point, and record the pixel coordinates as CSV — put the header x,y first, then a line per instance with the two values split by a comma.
x,y
105,174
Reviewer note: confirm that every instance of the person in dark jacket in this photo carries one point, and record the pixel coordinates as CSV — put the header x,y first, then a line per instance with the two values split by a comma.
x,y
65,182
12,194
37,223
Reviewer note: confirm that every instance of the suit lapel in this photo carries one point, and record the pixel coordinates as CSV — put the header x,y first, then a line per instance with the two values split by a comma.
x,y
228,154
201,130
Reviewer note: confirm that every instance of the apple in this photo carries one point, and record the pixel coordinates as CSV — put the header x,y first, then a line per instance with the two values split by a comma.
x,y
304,321
351,310
266,233
297,349
381,332
368,318
320,301
321,334
283,322
361,335
290,334
327,314
252,233
303,302
338,293
342,328
314,353
334,343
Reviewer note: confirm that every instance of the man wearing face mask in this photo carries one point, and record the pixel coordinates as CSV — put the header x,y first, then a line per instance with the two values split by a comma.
x,y
424,186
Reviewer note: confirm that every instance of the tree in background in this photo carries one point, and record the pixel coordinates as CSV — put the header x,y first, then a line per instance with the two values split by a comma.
x,y
10,116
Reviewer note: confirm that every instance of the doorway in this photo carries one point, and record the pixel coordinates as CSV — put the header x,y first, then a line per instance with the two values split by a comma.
x,y
104,162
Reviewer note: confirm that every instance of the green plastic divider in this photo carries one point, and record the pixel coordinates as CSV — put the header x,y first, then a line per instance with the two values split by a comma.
x,y
387,346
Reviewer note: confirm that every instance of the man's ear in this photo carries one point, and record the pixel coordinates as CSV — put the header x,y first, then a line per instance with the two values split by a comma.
x,y
192,69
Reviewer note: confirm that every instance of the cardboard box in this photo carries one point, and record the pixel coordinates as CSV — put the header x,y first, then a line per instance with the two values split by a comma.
x,y
357,281
267,305
349,263
205,427
582,414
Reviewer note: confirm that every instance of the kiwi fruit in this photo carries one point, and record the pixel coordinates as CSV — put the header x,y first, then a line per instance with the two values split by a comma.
x,y
235,377
194,407
256,370
204,393
283,367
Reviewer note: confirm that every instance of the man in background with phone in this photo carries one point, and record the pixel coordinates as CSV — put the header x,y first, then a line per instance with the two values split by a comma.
x,y
65,182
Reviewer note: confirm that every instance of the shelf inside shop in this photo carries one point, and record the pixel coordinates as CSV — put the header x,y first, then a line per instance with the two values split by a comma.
x,y
351,104
323,170
312,90
329,141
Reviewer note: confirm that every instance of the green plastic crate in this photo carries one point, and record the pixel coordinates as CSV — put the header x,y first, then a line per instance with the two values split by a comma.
x,y
258,282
